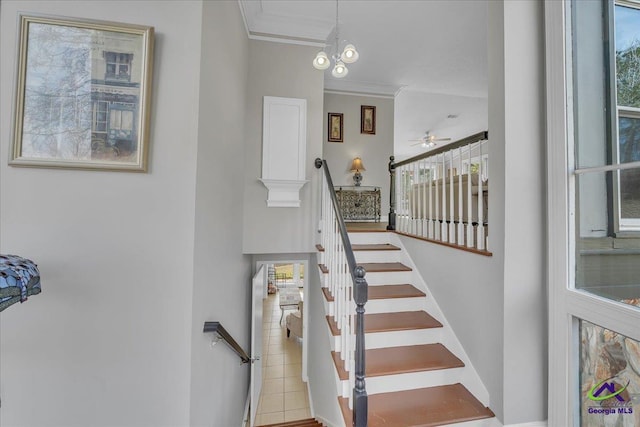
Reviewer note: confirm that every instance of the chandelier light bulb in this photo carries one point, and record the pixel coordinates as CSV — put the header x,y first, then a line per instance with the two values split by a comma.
x,y
321,62
350,54
340,70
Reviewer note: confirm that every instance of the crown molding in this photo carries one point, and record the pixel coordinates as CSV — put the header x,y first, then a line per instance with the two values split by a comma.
x,y
283,29
351,87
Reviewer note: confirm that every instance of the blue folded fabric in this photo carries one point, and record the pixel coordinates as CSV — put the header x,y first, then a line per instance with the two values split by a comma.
x,y
19,278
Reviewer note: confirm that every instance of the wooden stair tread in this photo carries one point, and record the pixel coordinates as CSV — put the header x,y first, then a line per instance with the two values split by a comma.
x,y
400,360
382,267
375,247
327,294
389,322
394,291
424,407
399,321
323,268
310,422
319,248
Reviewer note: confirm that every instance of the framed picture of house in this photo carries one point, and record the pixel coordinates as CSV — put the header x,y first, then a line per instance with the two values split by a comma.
x,y
82,94
368,119
335,127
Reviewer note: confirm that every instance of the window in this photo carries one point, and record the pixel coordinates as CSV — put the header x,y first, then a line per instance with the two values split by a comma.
x,y
100,116
118,66
627,81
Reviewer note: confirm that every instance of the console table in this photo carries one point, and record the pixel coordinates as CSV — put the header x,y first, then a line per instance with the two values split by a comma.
x,y
359,203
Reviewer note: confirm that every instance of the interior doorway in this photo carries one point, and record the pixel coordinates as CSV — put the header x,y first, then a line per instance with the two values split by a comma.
x,y
284,392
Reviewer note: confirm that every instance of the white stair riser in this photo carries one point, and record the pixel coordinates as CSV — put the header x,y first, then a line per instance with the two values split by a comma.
x,y
394,338
389,305
389,278
378,256
402,338
370,238
411,380
487,422
392,305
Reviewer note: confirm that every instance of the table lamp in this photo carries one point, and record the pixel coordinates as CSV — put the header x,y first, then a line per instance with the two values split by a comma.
x,y
356,167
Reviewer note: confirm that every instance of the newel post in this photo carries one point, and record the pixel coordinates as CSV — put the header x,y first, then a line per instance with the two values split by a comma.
x,y
360,399
392,195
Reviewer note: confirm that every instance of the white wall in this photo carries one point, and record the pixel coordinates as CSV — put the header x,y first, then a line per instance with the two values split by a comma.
x,y
321,369
222,278
497,305
374,150
525,302
108,341
277,69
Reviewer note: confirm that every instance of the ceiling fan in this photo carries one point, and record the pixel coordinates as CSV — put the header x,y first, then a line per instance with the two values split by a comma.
x,y
428,140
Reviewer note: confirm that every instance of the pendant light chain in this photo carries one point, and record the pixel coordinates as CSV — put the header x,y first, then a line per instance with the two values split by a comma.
x,y
348,56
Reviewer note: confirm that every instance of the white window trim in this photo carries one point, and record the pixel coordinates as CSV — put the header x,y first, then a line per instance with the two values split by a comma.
x,y
566,304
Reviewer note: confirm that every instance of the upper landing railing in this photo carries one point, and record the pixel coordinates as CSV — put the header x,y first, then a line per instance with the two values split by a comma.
x,y
442,196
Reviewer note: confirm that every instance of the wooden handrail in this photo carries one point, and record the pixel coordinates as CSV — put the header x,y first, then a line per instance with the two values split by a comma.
x,y
480,136
360,296
216,327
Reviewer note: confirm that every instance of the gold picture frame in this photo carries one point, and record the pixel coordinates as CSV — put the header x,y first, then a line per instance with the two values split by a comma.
x,y
368,119
82,95
336,127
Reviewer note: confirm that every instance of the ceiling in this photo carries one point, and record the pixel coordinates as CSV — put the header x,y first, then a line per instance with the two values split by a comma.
x,y
430,54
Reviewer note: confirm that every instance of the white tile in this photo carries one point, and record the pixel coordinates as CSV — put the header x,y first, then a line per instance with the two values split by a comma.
x,y
294,370
295,400
272,385
273,402
294,384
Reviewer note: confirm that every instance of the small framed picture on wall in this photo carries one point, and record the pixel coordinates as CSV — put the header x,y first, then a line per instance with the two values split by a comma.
x,y
335,127
368,119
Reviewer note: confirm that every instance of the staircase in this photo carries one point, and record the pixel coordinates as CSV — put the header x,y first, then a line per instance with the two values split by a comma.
x,y
417,373
301,423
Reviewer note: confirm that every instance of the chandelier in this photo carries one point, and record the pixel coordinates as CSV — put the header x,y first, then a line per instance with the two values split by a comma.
x,y
348,56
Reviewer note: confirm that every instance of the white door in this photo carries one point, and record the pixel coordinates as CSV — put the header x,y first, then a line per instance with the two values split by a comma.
x,y
259,281
594,270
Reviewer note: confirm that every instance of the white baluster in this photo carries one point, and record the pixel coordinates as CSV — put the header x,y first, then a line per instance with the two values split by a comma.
x,y
423,205
469,204
480,229
451,204
444,236
460,235
436,225
430,232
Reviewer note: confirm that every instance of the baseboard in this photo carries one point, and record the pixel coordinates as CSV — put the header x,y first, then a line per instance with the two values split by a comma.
x,y
245,417
325,422
531,424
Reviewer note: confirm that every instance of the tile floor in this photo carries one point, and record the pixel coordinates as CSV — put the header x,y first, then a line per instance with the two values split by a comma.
x,y
284,395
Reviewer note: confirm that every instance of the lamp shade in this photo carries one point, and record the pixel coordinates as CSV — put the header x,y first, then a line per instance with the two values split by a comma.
x,y
357,165
350,54
321,61
340,70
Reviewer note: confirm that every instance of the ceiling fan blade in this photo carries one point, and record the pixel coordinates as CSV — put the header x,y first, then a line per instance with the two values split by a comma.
x,y
442,139
417,143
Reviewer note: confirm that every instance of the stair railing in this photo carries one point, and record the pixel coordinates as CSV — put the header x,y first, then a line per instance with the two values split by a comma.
x,y
442,195
346,283
222,334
